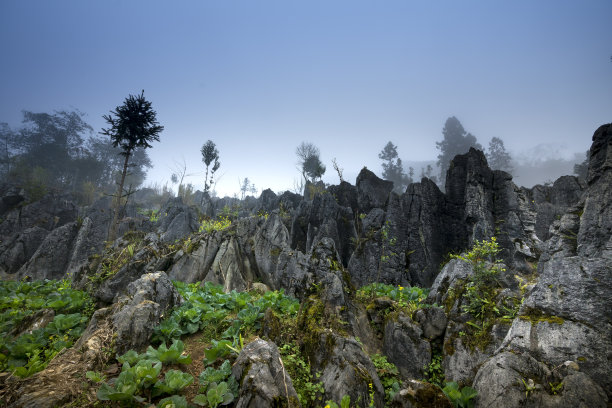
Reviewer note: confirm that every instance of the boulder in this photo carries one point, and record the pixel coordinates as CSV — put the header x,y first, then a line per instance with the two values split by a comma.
x,y
404,346
264,382
141,309
515,380
347,370
420,394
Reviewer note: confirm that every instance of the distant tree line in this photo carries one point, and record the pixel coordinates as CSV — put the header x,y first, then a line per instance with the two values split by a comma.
x,y
60,151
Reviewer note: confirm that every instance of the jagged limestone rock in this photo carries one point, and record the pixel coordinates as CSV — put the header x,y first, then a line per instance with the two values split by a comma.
x,y
263,378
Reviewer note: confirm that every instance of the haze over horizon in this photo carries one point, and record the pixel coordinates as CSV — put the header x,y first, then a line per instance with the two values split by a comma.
x,y
348,76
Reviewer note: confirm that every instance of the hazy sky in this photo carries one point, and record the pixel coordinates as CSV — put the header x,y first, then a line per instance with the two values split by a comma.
x,y
259,77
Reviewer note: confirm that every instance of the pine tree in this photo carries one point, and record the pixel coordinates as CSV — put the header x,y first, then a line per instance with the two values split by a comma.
x,y
132,125
455,141
393,169
497,156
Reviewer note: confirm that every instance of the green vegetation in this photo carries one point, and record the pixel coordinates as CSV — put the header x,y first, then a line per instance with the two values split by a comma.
x,y
222,319
310,391
463,398
30,352
389,376
220,315
480,293
209,225
434,372
405,299
344,403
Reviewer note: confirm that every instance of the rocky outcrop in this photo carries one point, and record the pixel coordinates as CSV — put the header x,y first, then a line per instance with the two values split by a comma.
x,y
565,316
127,324
347,370
263,378
405,347
140,310
177,220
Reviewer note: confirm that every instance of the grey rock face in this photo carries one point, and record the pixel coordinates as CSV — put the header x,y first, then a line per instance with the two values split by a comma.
x,y
372,192
177,220
566,315
19,248
51,259
147,299
404,346
51,212
514,380
433,322
553,201
263,378
347,370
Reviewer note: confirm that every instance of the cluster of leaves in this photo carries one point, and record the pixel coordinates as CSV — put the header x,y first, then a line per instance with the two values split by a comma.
x,y
209,225
461,398
344,403
140,379
309,389
31,352
389,376
217,314
406,299
434,372
481,290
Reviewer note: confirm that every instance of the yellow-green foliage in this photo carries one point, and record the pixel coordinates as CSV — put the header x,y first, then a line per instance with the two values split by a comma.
x,y
210,225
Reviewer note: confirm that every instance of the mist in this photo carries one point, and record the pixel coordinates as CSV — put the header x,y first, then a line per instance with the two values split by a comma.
x,y
348,77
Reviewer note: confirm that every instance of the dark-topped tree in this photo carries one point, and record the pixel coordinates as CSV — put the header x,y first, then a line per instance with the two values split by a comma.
x,y
133,124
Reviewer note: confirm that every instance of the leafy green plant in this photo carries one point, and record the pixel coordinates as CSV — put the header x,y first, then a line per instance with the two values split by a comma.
x,y
124,388
171,355
344,403
95,377
388,374
31,352
555,388
215,376
463,398
209,225
175,401
216,394
434,372
174,382
306,384
219,349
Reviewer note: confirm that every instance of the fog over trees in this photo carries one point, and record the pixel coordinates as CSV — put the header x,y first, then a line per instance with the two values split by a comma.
x,y
61,151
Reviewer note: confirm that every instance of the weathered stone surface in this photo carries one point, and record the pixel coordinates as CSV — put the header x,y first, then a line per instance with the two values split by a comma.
x,y
565,316
405,347
264,382
146,300
455,272
52,257
347,370
269,242
19,248
177,220
345,195
51,212
372,192
433,322
514,380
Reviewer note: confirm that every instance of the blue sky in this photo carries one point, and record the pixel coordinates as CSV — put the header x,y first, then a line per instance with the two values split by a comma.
x,y
259,77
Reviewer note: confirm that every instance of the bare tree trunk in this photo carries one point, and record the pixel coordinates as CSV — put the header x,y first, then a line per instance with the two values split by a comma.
x,y
112,234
